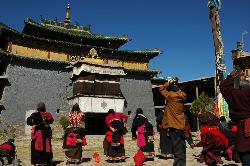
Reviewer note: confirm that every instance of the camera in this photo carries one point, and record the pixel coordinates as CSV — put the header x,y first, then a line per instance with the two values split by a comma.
x,y
173,81
173,84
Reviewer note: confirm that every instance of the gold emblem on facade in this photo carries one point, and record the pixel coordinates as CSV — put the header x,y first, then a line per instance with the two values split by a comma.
x,y
93,53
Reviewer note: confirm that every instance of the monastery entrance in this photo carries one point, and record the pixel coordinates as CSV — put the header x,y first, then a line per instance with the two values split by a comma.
x,y
95,123
96,88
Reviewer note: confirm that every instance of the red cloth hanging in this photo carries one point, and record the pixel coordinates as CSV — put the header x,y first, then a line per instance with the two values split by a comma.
x,y
84,141
38,137
109,135
141,140
122,140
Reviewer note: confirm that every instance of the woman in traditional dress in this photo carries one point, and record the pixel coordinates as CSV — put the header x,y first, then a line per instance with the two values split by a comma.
x,y
142,130
41,148
213,139
114,140
74,136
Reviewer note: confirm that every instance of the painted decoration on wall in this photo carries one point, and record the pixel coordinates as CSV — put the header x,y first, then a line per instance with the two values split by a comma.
x,y
99,69
93,53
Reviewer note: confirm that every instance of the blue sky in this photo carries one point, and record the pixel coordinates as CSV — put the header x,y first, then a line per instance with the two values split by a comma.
x,y
180,28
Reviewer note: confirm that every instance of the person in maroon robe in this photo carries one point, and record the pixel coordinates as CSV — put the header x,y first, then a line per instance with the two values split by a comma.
x,y
213,139
41,148
238,100
7,152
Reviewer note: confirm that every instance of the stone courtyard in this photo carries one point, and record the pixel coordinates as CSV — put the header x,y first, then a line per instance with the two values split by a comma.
x,y
95,145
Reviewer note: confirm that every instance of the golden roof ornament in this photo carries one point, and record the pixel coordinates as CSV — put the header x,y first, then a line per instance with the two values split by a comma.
x,y
67,17
93,53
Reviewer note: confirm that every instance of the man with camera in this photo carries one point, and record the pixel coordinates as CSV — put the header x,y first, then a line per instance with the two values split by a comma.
x,y
174,119
236,91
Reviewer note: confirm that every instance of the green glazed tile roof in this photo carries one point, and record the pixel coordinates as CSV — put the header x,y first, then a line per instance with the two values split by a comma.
x,y
134,55
72,30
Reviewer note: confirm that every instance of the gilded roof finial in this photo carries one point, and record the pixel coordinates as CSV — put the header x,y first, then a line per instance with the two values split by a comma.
x,y
67,17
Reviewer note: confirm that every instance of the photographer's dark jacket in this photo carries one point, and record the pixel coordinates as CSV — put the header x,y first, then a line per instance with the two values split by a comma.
x,y
239,103
173,114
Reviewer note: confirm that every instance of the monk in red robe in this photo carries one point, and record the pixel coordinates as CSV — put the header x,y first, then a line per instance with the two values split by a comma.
x,y
213,140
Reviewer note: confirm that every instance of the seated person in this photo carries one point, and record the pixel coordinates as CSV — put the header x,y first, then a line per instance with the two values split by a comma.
x,y
213,139
7,151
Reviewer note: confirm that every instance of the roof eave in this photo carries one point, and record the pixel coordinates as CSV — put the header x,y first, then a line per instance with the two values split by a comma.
x,y
150,73
125,39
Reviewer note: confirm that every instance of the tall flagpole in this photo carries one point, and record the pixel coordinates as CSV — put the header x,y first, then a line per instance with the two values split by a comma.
x,y
220,67
214,6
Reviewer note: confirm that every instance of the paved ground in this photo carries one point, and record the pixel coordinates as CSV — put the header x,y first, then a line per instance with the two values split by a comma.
x,y
95,145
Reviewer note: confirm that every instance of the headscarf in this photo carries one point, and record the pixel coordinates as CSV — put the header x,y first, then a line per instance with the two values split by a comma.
x,y
138,111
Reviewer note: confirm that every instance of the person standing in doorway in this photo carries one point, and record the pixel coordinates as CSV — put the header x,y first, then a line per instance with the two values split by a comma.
x,y
174,119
